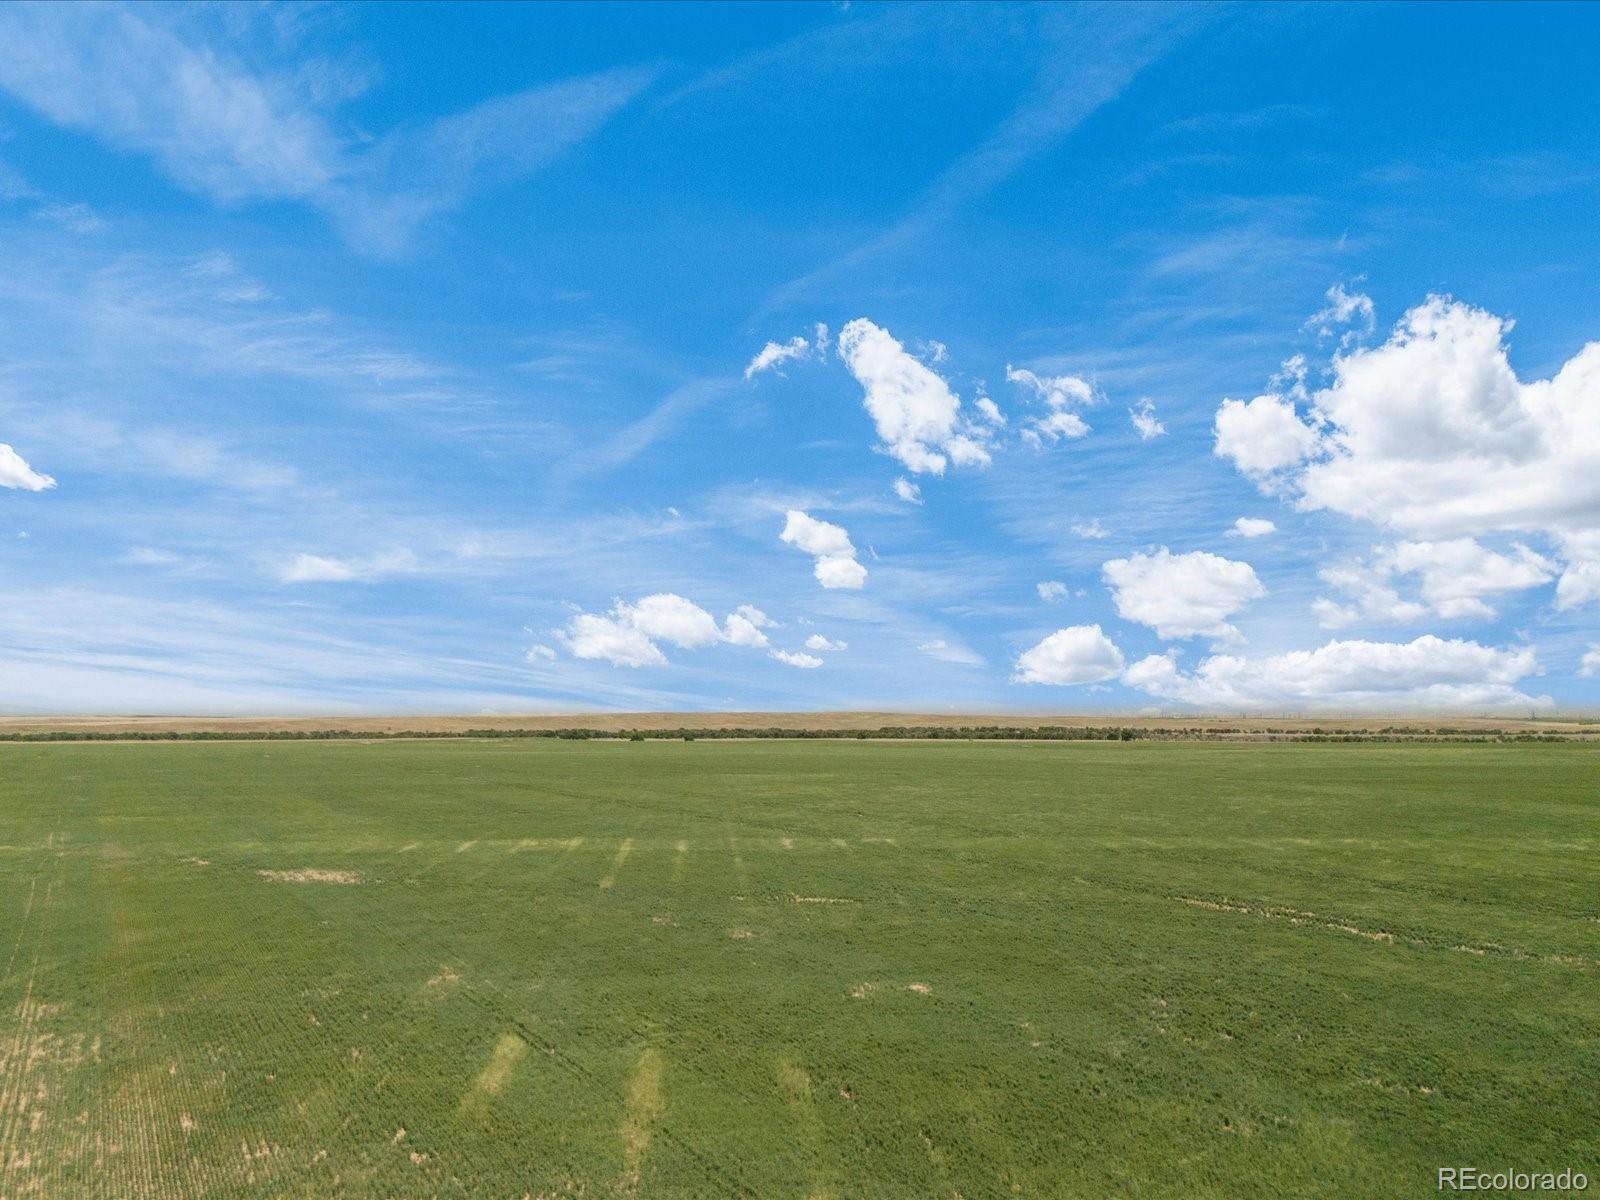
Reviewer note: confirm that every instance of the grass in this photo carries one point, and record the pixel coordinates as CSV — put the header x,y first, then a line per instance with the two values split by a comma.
x,y
807,969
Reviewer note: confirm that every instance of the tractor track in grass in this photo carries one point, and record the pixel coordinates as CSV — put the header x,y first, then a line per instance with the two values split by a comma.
x,y
19,1056
661,1126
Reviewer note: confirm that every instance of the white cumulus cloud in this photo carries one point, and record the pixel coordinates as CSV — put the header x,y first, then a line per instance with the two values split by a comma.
x,y
1580,581
1143,416
1590,666
1060,395
592,635
670,618
1456,575
1057,391
743,626
835,564
1453,579
1075,655
916,415
1344,308
1369,595
1433,435
775,353
629,634
1182,595
1252,527
1262,436
817,642
804,661
839,573
1429,673
1091,530
1051,590
16,473
907,491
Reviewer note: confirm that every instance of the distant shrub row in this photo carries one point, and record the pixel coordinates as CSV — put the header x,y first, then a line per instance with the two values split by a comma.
x,y
1058,733
965,733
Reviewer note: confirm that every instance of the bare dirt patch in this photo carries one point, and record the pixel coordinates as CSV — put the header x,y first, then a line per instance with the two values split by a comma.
x,y
920,989
643,1108
823,900
446,978
503,1060
608,881
1292,915
793,1080
1398,1089
1214,905
310,875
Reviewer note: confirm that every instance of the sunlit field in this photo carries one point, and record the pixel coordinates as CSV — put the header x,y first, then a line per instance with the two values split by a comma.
x,y
794,969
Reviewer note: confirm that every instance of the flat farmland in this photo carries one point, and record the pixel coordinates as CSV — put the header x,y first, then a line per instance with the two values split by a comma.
x,y
794,969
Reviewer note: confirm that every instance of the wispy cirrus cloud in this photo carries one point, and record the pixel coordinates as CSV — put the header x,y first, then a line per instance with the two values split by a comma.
x,y
638,436
950,652
319,568
1089,55
111,446
85,650
161,82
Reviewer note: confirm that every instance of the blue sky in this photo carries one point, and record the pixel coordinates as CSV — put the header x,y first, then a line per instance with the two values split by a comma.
x,y
450,358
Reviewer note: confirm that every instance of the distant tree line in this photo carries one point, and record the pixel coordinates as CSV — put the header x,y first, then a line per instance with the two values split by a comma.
x,y
961,733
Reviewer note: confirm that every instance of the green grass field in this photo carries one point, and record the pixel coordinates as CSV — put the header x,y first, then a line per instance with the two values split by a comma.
x,y
809,969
